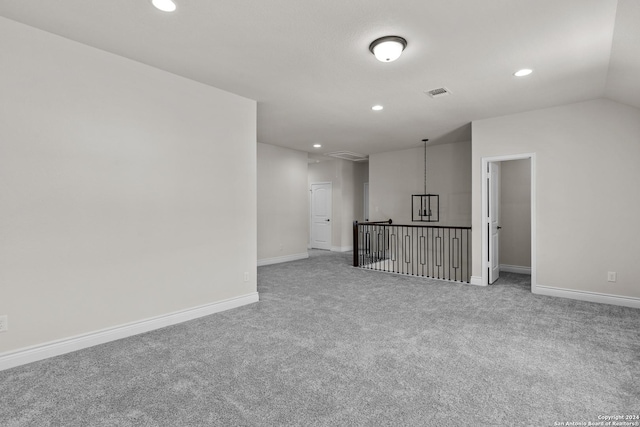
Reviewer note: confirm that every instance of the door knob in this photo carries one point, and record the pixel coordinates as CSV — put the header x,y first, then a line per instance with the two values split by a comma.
x,y
328,219
499,228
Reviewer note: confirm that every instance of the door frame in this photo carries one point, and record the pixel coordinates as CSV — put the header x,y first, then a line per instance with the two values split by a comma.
x,y
311,184
485,214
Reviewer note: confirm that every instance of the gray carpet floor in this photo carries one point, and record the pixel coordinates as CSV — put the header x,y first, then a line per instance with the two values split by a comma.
x,y
330,345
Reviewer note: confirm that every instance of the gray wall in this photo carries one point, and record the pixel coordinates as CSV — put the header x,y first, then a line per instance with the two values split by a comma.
x,y
396,175
125,192
515,213
587,157
283,205
347,197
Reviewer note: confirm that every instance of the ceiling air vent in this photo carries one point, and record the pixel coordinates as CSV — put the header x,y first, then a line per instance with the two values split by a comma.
x,y
347,155
436,93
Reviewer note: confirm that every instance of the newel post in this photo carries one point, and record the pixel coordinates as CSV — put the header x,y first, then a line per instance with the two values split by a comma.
x,y
356,250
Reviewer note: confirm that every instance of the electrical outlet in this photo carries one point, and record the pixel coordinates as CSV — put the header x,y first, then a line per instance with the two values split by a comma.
x,y
246,276
4,323
612,276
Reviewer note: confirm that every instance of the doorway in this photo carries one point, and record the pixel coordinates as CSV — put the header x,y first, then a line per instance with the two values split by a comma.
x,y
492,224
321,215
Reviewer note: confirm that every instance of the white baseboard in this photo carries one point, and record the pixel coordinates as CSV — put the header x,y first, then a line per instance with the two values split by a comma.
x,y
515,269
341,248
476,280
587,296
67,345
284,258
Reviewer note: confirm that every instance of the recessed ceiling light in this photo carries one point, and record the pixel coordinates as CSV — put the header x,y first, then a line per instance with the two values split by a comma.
x,y
317,145
377,107
164,5
387,49
523,72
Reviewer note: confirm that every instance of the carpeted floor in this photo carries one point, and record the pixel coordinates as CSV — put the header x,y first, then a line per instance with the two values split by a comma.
x,y
330,345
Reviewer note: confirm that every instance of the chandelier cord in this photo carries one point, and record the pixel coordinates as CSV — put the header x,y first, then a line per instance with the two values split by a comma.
x,y
425,165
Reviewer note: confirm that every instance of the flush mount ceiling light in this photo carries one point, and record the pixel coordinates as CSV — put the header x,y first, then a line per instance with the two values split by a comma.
x,y
523,72
164,5
387,49
377,107
317,145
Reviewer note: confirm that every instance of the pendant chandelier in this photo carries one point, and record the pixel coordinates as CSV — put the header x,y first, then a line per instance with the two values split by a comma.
x,y
425,207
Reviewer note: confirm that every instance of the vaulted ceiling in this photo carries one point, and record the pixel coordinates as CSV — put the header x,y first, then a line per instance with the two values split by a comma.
x,y
308,65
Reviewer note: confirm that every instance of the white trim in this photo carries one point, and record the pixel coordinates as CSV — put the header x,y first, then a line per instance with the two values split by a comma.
x,y
484,207
67,345
476,280
341,248
632,302
515,269
284,258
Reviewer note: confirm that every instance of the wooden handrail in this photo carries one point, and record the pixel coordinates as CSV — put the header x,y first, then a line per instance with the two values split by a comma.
x,y
389,221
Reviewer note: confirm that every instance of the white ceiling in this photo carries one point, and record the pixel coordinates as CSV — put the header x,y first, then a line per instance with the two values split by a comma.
x,y
308,65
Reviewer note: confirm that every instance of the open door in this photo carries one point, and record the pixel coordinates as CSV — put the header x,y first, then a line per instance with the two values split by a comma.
x,y
321,215
490,222
494,221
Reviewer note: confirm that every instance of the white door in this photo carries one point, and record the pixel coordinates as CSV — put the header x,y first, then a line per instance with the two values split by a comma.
x,y
366,202
494,221
321,216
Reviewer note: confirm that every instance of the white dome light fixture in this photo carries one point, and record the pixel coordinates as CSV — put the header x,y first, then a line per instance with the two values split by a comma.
x,y
388,48
164,5
377,107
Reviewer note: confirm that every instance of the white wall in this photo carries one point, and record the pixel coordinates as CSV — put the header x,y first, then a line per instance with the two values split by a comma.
x,y
394,176
329,171
449,175
515,213
354,175
125,192
283,206
347,197
360,177
587,158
